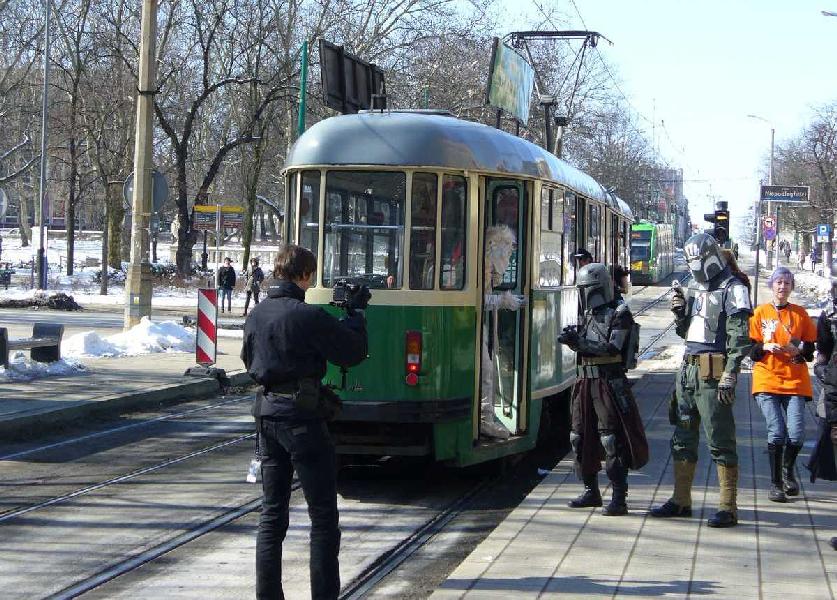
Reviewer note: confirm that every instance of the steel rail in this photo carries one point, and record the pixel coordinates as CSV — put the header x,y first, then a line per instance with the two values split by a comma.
x,y
104,432
145,470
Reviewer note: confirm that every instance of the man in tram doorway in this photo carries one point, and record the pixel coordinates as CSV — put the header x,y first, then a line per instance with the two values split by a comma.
x,y
713,317
604,412
581,258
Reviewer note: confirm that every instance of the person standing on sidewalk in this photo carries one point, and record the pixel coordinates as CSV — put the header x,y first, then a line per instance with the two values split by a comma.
x,y
783,338
713,317
253,283
604,412
226,283
286,346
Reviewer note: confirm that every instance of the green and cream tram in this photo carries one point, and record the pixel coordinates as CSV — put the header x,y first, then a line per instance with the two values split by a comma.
x,y
400,201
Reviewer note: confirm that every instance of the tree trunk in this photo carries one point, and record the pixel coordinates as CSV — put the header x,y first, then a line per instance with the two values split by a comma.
x,y
103,283
116,214
70,209
23,221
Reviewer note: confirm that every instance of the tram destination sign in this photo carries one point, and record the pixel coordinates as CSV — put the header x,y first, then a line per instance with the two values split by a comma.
x,y
791,194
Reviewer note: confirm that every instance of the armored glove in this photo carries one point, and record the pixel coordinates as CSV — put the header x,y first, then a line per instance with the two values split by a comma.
x,y
569,336
726,388
678,303
360,299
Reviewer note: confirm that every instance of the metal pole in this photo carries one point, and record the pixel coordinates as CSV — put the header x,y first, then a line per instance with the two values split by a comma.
x,y
547,121
769,203
758,250
41,264
303,85
217,240
138,284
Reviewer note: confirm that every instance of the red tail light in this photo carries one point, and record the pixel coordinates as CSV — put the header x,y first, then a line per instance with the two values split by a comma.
x,y
412,350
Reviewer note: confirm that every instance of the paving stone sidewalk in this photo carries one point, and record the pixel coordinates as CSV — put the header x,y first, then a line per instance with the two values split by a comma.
x,y
546,550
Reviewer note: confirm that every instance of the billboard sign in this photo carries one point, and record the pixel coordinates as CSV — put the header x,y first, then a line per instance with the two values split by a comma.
x,y
510,82
205,216
348,82
791,194
768,228
232,217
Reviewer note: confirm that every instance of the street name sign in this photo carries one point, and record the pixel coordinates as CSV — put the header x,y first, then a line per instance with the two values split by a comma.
x,y
791,194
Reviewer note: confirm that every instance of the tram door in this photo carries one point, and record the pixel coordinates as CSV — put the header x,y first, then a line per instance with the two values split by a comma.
x,y
503,330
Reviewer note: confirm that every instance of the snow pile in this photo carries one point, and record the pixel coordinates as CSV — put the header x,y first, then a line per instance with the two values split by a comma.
x,y
147,337
669,359
22,368
814,286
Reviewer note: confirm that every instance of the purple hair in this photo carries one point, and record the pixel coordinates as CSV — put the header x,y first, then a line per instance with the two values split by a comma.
x,y
781,272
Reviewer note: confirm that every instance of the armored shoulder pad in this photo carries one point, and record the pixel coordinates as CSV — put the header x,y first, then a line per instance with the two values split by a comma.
x,y
622,309
737,297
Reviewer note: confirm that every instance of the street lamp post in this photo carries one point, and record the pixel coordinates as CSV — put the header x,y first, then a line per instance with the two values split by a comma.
x,y
138,284
769,209
41,264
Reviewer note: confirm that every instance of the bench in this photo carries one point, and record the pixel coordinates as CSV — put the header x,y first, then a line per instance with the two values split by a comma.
x,y
44,345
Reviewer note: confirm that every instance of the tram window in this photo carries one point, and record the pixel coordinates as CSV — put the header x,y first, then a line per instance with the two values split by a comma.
x,y
423,231
309,211
546,209
291,191
569,238
506,205
552,227
593,232
364,227
454,211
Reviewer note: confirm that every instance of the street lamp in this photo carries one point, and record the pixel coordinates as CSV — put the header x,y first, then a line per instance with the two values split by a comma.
x,y
769,209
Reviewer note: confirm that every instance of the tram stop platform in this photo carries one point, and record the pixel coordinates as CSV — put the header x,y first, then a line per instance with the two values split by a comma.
x,y
544,549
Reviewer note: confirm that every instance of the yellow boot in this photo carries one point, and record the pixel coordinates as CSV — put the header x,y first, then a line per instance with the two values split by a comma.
x,y
727,515
680,504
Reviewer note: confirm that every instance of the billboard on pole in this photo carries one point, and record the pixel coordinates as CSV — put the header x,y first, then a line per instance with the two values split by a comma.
x,y
510,82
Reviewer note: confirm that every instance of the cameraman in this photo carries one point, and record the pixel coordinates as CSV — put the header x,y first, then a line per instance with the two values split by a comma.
x,y
286,346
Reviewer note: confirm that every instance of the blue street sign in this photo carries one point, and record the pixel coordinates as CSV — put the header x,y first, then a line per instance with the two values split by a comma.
x,y
823,232
791,194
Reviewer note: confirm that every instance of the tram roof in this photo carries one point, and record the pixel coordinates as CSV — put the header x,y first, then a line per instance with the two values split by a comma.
x,y
434,139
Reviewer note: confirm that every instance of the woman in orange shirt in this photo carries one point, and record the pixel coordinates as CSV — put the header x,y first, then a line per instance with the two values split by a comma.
x,y
783,336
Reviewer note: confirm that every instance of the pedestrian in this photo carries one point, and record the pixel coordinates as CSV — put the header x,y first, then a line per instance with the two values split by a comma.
x,y
823,461
622,284
581,258
787,252
253,283
226,282
815,258
713,317
783,338
286,346
800,260
605,420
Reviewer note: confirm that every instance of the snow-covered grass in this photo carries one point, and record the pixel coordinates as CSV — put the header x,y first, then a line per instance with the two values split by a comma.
x,y
147,337
22,368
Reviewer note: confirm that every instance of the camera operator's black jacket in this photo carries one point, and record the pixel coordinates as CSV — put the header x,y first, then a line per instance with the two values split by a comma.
x,y
286,340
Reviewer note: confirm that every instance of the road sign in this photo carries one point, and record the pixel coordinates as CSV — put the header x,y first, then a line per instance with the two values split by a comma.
x,y
823,232
4,203
232,217
159,191
206,337
768,228
205,217
791,194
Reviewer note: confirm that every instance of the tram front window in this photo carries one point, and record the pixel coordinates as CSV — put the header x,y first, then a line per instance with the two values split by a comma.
x,y
364,228
640,251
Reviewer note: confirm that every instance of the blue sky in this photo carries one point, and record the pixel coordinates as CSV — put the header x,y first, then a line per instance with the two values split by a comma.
x,y
700,67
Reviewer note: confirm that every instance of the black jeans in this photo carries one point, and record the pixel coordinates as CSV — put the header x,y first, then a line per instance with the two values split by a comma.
x,y
307,447
255,295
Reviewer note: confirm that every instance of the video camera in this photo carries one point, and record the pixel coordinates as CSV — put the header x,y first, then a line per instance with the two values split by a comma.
x,y
344,294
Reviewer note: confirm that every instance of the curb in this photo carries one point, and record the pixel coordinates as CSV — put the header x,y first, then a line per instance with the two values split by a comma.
x,y
32,426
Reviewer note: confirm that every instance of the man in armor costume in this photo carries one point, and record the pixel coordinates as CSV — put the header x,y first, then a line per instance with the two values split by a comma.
x,y
604,412
713,317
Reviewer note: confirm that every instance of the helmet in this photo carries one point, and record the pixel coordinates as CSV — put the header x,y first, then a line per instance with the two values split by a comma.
x,y
595,286
703,257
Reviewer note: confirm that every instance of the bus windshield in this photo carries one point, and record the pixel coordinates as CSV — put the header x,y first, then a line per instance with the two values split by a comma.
x,y
364,228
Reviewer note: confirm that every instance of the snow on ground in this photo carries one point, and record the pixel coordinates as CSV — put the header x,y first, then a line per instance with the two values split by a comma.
x,y
669,359
22,368
147,337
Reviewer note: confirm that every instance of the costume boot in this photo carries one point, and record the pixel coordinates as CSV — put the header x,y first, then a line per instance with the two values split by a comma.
x,y
591,496
727,515
776,494
791,485
618,504
680,504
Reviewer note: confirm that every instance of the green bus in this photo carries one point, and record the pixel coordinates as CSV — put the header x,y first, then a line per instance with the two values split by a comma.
x,y
400,201
652,252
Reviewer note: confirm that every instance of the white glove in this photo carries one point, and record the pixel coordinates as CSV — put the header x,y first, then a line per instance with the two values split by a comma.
x,y
508,301
726,388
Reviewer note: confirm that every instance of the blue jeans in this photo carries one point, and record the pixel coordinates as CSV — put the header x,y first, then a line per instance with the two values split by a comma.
x,y
785,417
304,446
226,293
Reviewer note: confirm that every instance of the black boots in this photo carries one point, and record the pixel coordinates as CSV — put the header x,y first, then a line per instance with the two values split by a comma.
x,y
618,503
590,497
775,453
791,485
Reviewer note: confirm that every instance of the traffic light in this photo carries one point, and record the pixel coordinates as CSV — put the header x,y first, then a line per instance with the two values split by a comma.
x,y
721,220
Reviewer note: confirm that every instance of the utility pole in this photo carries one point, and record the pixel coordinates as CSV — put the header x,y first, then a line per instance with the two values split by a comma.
x,y
41,264
138,284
